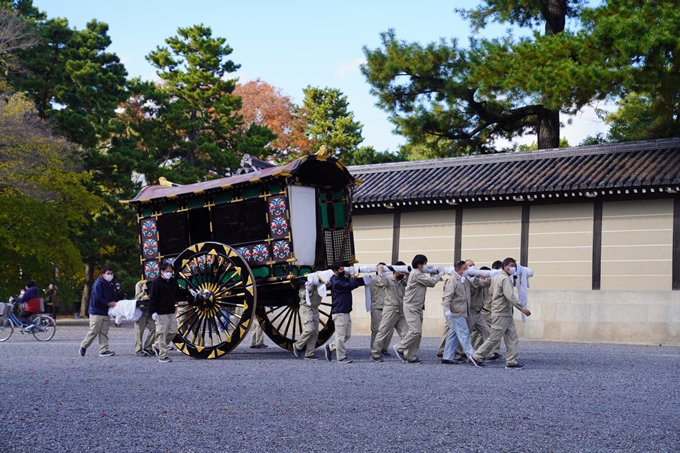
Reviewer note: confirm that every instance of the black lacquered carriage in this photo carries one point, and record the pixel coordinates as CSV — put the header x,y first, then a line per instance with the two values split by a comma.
x,y
244,244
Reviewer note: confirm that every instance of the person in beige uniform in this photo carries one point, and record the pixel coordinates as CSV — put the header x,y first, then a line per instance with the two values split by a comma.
x,y
144,322
479,287
257,339
476,336
377,305
456,306
503,325
414,305
310,323
393,318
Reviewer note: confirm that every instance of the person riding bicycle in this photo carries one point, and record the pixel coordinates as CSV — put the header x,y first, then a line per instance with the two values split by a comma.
x,y
31,298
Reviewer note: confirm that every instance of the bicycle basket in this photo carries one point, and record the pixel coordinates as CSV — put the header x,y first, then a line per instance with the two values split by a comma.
x,y
4,308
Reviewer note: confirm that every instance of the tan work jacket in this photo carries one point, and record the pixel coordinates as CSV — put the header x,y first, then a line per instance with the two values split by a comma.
x,y
314,297
417,285
503,297
393,290
377,294
479,290
456,296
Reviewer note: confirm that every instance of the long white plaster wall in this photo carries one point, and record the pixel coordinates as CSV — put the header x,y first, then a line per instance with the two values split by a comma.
x,y
630,317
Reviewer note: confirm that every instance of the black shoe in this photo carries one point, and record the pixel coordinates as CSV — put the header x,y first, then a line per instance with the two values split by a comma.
x,y
82,352
399,354
149,352
496,356
296,351
385,353
458,362
107,354
516,366
329,354
345,360
447,362
377,359
165,360
440,355
142,354
156,351
415,361
475,363
311,357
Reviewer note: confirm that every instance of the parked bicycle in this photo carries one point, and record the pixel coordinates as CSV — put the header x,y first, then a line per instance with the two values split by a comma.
x,y
43,326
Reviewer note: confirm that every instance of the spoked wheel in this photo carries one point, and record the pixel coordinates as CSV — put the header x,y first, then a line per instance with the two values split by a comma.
x,y
6,328
283,324
45,328
219,318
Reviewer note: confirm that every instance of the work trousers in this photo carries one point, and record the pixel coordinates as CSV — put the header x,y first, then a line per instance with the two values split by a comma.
x,y
99,327
376,319
474,321
258,334
52,311
392,318
458,335
343,332
310,330
144,323
445,335
410,343
503,327
476,337
166,329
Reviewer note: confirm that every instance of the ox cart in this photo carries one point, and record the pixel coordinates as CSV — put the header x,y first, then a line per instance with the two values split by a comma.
x,y
244,243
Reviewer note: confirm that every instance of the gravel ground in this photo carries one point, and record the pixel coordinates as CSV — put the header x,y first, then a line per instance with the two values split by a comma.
x,y
570,397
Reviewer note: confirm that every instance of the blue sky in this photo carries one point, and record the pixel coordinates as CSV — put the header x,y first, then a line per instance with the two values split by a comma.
x,y
290,44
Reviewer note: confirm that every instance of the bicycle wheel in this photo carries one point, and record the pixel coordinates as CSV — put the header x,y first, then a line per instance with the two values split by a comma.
x,y
45,328
6,328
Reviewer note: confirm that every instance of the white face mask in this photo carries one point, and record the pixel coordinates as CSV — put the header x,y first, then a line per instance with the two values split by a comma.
x,y
167,275
472,267
512,270
108,277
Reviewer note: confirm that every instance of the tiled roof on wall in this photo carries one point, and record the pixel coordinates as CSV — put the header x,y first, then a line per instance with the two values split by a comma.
x,y
588,171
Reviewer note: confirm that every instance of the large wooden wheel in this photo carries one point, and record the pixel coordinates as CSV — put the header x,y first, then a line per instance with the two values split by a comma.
x,y
219,318
283,323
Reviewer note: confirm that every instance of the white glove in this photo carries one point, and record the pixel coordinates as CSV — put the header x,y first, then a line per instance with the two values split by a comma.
x,y
154,316
192,292
447,314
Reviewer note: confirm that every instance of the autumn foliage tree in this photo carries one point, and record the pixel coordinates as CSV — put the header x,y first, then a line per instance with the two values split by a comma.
x,y
266,105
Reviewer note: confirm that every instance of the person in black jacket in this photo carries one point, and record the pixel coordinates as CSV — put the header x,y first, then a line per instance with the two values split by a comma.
x,y
163,294
341,290
101,300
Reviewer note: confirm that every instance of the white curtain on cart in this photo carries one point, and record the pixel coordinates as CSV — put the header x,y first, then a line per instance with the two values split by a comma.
x,y
303,204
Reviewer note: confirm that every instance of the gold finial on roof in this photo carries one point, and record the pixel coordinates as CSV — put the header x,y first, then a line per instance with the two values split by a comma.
x,y
164,182
323,151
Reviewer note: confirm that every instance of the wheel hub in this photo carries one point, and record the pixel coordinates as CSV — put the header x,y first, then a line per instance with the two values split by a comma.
x,y
205,299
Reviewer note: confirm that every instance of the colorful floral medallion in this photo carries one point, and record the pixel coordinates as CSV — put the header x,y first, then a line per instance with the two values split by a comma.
x,y
279,226
260,253
150,247
149,228
277,206
244,252
281,250
151,269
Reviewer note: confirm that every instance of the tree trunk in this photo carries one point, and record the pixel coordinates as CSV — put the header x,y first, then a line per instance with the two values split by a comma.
x,y
87,289
548,129
548,122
